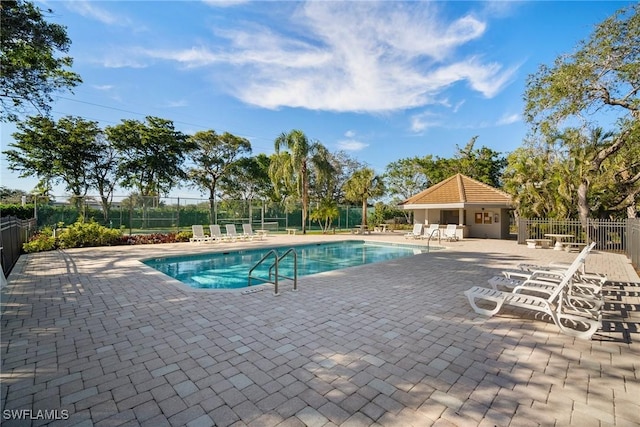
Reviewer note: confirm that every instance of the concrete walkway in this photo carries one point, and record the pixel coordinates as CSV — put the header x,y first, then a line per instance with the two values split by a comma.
x,y
97,339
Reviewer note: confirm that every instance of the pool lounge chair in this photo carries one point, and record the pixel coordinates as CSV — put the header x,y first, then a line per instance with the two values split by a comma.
x,y
559,272
431,232
555,265
571,319
232,233
198,235
416,233
450,232
247,230
216,234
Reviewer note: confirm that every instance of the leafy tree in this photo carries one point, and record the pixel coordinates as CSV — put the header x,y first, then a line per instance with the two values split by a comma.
x,y
103,174
328,180
212,158
405,178
484,164
59,152
152,154
363,185
10,195
248,179
291,166
325,212
31,71
603,75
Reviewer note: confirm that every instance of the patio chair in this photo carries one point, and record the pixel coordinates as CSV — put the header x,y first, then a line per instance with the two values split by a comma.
x,y
554,265
450,232
247,230
216,234
198,235
432,231
416,233
571,319
232,233
558,272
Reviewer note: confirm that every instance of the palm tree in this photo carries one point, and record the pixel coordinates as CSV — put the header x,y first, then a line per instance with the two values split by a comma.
x,y
363,185
291,166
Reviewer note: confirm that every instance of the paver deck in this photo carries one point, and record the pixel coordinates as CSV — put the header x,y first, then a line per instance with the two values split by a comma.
x,y
98,339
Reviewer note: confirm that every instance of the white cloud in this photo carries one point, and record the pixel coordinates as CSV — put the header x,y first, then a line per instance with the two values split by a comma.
x,y
103,87
91,10
351,145
350,133
348,56
423,121
224,3
507,119
177,104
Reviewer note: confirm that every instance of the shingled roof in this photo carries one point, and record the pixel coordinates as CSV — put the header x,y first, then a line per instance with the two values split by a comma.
x,y
459,190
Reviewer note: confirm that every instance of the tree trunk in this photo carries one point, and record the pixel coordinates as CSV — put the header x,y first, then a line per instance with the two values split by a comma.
x,y
583,203
364,214
212,205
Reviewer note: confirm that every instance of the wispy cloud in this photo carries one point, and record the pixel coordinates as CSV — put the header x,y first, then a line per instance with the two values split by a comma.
x,y
423,121
103,87
177,104
224,3
90,10
507,119
349,56
351,145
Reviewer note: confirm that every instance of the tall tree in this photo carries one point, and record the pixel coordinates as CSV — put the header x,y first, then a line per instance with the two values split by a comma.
x,y
103,174
152,154
363,185
483,164
31,70
212,158
290,166
405,178
60,152
602,75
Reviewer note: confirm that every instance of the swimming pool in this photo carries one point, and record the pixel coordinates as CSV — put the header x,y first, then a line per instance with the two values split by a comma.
x,y
229,270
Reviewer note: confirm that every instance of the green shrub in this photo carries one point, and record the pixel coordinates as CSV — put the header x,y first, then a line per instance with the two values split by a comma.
x,y
42,241
84,234
13,209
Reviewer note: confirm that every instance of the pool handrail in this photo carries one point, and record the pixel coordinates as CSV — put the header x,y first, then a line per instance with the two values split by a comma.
x,y
275,266
295,267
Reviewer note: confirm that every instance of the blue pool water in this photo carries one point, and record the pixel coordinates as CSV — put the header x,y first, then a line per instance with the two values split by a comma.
x,y
229,270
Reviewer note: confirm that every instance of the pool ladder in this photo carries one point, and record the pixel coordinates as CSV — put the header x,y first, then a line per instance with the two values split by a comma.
x,y
273,269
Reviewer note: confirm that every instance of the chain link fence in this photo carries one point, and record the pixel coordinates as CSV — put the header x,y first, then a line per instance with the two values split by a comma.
x,y
143,215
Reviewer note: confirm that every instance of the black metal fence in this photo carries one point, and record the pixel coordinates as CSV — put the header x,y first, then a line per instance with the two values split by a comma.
x,y
610,235
14,233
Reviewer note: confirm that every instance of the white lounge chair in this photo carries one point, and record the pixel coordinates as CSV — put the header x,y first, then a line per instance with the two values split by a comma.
x,y
416,233
555,265
232,233
450,232
570,318
432,231
247,230
198,234
559,272
216,234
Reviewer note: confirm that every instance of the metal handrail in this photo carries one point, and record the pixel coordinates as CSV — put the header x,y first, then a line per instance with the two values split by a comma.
x,y
431,235
295,268
273,270
256,265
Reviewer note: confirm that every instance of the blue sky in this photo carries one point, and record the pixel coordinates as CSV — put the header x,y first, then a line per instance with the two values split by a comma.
x,y
381,80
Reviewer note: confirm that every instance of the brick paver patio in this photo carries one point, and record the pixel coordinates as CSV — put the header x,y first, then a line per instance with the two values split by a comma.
x,y
94,336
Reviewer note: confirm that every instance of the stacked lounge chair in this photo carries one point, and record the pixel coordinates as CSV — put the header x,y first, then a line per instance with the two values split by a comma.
x,y
573,305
